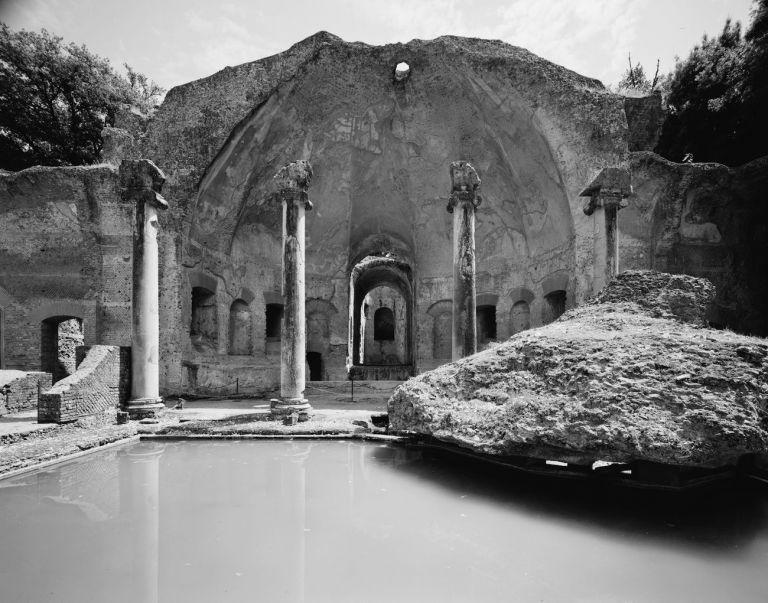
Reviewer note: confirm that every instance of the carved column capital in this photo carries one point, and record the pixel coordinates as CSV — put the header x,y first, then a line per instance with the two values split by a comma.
x,y
464,185
292,182
609,188
141,181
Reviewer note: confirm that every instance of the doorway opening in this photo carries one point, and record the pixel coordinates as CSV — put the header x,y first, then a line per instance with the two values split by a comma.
x,y
315,363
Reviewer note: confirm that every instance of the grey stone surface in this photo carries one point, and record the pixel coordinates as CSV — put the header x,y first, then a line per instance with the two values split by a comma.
x,y
619,380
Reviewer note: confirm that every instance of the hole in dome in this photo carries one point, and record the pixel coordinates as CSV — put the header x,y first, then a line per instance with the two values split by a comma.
x,y
401,71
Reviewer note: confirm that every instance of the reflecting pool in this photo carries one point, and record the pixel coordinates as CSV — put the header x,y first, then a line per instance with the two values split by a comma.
x,y
353,521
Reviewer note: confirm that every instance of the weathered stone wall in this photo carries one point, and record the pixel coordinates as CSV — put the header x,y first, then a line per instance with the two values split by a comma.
x,y
385,351
22,388
703,219
645,117
102,381
381,150
65,252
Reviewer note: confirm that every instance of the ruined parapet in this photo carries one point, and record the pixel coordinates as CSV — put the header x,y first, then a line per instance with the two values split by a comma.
x,y
645,118
98,385
19,390
662,295
122,141
117,145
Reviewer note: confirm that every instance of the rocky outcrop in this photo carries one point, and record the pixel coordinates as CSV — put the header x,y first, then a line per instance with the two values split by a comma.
x,y
622,379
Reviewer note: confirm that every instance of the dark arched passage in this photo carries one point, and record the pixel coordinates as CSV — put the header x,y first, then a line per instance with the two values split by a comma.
x,y
369,273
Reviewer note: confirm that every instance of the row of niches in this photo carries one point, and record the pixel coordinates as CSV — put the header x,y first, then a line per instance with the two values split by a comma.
x,y
384,326
487,322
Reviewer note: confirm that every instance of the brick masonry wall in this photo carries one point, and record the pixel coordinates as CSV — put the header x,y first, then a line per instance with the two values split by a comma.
x,y
65,252
102,381
22,390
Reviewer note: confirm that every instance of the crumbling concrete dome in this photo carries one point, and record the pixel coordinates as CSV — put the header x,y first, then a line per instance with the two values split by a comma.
x,y
380,144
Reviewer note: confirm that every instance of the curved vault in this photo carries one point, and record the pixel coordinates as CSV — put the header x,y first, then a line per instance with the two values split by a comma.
x,y
380,151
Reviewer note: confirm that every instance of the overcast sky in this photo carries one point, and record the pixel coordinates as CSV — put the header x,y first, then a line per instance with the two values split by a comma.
x,y
176,41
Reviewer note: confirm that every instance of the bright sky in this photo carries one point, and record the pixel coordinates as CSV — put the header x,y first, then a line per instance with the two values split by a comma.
x,y
176,41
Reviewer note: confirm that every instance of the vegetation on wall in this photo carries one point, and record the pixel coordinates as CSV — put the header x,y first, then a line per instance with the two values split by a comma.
x,y
55,99
717,97
705,101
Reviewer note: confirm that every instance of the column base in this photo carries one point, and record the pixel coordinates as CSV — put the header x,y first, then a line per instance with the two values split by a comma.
x,y
144,408
280,408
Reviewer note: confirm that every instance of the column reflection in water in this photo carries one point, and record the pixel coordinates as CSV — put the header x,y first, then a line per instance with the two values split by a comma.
x,y
292,515
140,505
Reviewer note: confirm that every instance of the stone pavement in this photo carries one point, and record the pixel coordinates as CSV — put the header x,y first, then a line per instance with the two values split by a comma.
x,y
20,424
325,402
322,403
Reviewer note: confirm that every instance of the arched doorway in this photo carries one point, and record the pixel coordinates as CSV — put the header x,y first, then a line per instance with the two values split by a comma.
x,y
386,359
383,327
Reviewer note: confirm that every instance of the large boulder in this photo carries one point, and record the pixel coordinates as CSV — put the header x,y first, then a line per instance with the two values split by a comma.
x,y
632,376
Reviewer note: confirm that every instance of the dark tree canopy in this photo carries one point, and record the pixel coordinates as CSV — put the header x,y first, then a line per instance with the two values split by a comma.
x,y
56,98
717,97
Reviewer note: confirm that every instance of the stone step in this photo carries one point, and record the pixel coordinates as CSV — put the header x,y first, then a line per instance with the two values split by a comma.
x,y
342,390
381,372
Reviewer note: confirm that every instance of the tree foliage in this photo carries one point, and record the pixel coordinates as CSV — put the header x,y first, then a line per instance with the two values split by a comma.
x,y
55,99
717,96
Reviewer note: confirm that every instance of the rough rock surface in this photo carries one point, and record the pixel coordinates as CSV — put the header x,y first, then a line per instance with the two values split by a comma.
x,y
615,380
662,295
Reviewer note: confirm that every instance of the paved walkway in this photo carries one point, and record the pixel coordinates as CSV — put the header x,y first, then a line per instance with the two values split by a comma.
x,y
212,410
325,403
22,423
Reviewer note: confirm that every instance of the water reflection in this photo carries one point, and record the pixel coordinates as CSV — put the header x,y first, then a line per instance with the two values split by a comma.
x,y
721,518
349,521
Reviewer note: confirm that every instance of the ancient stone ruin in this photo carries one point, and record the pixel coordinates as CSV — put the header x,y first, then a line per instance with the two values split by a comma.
x,y
632,377
233,289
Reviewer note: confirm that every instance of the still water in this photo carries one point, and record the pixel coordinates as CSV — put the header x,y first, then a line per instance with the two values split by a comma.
x,y
351,521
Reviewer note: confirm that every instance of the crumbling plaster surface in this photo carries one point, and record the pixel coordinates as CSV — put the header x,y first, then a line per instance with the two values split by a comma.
x,y
381,150
703,219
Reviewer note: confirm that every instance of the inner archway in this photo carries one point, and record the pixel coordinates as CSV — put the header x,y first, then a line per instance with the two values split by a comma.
x,y
381,319
384,327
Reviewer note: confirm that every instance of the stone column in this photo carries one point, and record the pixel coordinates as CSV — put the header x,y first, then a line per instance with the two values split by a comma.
x,y
292,183
462,204
141,182
607,195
